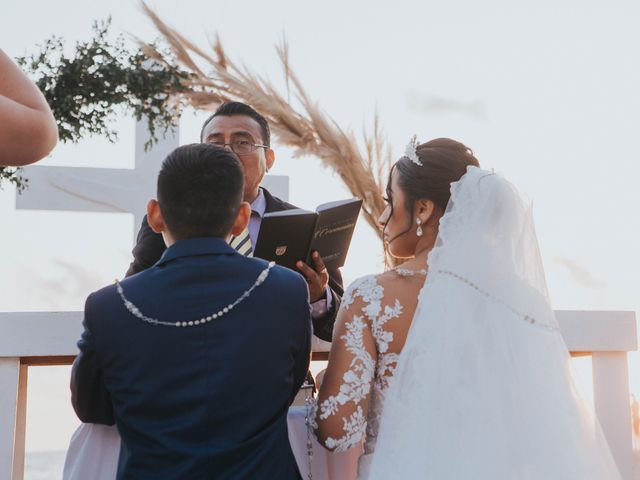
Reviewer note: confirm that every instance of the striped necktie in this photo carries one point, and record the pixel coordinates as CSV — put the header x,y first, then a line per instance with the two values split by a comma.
x,y
242,243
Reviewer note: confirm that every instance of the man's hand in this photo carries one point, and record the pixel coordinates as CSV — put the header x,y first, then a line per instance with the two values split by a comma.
x,y
317,277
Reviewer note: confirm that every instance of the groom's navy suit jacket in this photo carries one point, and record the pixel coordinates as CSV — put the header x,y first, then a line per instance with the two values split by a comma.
x,y
150,246
202,402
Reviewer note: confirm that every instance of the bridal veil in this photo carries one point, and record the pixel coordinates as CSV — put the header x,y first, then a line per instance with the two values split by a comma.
x,y
484,388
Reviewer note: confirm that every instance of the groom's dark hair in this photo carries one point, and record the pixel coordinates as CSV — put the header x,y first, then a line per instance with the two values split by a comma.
x,y
200,190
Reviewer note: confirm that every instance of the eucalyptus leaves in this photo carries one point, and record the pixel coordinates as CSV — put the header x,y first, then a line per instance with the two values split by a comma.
x,y
100,77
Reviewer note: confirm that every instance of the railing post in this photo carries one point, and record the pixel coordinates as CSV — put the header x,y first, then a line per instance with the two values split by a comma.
x,y
13,405
612,406
21,424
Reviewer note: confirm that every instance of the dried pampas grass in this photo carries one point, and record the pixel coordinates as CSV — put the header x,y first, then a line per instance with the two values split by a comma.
x,y
212,79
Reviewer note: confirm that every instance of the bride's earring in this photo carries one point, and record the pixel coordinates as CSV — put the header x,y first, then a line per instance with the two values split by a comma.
x,y
419,231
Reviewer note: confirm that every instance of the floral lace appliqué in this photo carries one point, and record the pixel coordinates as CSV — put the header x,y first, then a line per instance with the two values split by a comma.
x,y
354,427
364,371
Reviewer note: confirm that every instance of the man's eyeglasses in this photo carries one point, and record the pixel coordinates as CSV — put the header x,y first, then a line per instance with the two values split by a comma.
x,y
239,147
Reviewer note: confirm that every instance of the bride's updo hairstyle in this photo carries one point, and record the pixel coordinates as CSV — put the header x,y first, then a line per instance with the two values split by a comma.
x,y
444,161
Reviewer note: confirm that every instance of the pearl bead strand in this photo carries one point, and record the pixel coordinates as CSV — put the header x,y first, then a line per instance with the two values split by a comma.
x,y
135,311
527,318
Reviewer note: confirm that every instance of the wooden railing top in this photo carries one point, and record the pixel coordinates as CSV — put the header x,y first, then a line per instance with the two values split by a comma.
x,y
49,335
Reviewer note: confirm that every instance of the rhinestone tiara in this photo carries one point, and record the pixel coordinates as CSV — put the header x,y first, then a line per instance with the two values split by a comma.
x,y
410,151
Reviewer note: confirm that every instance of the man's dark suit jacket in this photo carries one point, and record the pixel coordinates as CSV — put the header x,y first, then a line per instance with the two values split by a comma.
x,y
202,402
149,248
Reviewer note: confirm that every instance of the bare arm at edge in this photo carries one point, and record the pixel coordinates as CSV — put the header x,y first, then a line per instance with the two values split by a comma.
x,y
28,131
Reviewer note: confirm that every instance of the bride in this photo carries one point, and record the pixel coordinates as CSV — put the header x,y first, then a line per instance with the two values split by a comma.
x,y
452,365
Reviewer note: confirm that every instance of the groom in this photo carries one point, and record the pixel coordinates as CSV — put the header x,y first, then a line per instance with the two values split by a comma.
x,y
197,367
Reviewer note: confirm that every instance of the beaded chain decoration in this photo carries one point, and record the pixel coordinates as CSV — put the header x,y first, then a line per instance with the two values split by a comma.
x,y
527,318
405,272
201,321
309,420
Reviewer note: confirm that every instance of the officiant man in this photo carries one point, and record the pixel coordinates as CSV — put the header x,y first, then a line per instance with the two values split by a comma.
x,y
243,130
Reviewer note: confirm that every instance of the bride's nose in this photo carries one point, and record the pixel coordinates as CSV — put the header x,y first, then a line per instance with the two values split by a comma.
x,y
384,217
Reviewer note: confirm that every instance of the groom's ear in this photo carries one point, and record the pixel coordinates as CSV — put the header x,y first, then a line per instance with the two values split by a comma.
x,y
154,217
242,219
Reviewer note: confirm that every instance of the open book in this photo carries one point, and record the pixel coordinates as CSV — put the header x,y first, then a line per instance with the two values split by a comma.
x,y
291,235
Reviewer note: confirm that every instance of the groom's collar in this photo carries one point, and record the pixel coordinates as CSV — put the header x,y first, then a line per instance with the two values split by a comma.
x,y
195,247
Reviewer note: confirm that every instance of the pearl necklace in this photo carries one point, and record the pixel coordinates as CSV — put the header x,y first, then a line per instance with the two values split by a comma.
x,y
137,313
405,272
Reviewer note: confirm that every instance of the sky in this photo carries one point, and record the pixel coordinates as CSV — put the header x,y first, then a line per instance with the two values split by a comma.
x,y
546,93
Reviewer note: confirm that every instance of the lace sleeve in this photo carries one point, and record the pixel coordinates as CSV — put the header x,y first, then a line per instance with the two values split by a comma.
x,y
341,414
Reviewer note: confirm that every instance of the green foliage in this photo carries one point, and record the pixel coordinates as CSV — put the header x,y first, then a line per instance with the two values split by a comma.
x,y
12,175
101,76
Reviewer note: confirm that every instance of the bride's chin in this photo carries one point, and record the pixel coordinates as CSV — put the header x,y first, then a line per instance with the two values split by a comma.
x,y
400,255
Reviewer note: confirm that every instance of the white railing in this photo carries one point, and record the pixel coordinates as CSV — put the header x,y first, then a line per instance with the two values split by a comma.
x,y
33,339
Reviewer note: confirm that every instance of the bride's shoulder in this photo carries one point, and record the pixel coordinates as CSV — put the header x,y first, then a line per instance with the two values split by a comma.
x,y
367,289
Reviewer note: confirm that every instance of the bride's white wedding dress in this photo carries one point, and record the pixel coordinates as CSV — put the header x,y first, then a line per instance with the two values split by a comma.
x,y
482,386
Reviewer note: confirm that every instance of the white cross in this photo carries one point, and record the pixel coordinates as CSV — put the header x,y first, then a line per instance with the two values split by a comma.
x,y
119,190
